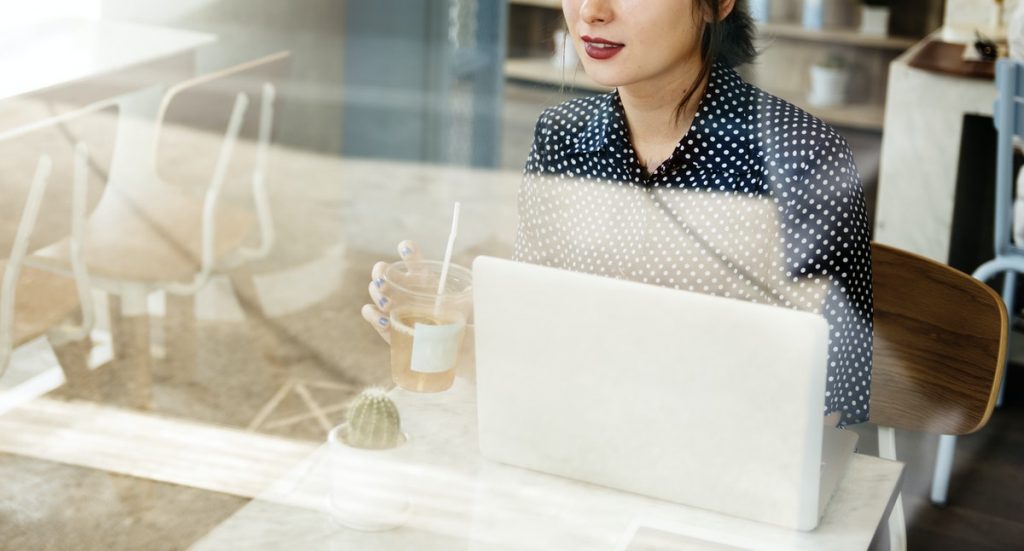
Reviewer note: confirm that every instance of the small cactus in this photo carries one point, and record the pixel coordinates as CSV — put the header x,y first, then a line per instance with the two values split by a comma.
x,y
373,422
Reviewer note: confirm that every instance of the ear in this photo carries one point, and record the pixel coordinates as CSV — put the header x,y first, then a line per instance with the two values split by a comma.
x,y
725,7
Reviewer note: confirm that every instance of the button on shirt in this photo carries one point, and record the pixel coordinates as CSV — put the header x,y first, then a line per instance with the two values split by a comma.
x,y
760,201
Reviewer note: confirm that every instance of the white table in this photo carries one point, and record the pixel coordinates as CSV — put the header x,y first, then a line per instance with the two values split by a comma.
x,y
61,52
464,502
76,62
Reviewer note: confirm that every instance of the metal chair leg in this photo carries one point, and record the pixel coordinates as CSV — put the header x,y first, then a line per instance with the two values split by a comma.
x,y
943,469
947,443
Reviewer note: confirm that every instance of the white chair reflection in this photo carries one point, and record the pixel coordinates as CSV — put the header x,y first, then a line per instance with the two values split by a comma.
x,y
173,232
35,302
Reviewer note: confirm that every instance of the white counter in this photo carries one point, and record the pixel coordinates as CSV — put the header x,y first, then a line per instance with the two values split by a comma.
x,y
920,154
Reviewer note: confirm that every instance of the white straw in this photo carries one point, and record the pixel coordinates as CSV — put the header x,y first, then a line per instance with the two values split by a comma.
x,y
447,260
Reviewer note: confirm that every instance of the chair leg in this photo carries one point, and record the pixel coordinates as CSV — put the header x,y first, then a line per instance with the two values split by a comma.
x,y
897,522
943,469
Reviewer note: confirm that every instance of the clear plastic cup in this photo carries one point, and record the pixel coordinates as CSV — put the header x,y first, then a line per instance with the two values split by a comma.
x,y
427,330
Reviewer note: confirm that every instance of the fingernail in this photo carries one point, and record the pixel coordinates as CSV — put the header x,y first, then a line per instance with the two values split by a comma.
x,y
406,251
382,301
379,282
383,322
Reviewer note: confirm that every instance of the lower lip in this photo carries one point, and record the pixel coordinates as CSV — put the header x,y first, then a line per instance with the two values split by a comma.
x,y
598,52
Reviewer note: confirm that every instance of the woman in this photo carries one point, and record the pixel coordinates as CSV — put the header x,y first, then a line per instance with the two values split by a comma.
x,y
662,180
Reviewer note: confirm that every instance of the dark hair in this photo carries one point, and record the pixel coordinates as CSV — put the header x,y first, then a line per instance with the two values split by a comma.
x,y
729,41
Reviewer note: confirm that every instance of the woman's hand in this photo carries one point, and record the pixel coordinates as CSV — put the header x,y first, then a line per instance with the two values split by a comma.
x,y
376,313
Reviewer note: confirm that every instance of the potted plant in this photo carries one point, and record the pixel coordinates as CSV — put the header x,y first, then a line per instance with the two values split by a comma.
x,y
368,487
829,80
874,17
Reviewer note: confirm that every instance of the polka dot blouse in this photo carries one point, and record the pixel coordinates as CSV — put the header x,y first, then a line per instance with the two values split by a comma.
x,y
760,201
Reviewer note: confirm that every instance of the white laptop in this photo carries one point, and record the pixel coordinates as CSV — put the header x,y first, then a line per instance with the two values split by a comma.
x,y
705,401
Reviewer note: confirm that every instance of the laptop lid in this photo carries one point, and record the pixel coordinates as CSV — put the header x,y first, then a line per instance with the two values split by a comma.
x,y
700,400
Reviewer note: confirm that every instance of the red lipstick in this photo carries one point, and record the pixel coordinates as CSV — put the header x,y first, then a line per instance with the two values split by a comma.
x,y
600,48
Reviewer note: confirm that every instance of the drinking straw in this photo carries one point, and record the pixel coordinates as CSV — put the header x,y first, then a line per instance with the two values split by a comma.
x,y
447,260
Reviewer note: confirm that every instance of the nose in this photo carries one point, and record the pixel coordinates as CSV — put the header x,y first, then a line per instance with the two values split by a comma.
x,y
596,11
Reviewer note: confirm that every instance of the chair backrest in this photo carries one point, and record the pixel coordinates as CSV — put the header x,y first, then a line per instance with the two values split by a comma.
x,y
206,102
55,135
939,345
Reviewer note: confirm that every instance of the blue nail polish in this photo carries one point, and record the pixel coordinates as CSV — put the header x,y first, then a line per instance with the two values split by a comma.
x,y
383,322
382,301
379,282
406,251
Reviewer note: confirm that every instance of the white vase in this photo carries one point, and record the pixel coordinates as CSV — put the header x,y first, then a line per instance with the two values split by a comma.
x,y
874,20
370,489
828,86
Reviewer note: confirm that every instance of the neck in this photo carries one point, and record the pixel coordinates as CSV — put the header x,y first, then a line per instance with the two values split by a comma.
x,y
652,107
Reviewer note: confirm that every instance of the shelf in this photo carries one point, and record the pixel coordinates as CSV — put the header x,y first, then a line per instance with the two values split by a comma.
x,y
835,36
541,70
860,116
793,31
553,4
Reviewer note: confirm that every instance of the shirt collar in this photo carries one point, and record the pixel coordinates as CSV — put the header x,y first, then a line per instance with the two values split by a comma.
x,y
607,120
725,114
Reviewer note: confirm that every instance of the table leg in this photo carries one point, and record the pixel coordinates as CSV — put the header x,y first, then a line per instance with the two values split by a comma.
x,y
272,338
129,323
73,357
180,336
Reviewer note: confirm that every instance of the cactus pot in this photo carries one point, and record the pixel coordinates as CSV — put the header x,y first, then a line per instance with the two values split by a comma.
x,y
370,489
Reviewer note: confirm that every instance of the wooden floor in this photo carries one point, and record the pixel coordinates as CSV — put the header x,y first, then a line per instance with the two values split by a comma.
x,y
986,496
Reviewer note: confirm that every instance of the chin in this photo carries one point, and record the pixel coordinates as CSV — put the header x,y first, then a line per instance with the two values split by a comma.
x,y
605,76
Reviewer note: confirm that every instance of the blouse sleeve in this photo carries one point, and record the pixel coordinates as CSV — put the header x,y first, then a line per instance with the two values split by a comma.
x,y
529,239
826,232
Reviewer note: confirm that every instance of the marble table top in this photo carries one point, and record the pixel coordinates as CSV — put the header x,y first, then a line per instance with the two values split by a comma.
x,y
461,501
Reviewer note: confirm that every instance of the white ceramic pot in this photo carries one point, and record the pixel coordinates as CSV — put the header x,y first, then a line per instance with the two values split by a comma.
x,y
828,86
370,489
874,20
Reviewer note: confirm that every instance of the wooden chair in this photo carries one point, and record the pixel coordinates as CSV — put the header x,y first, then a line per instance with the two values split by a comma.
x,y
35,302
939,352
170,229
